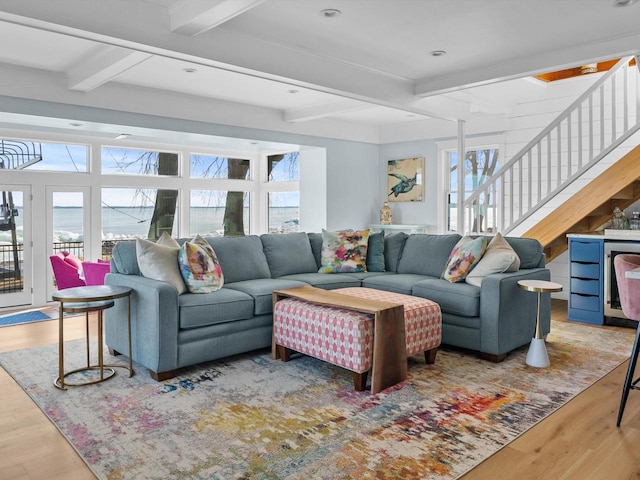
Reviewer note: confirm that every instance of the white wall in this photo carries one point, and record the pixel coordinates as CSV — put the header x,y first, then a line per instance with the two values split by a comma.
x,y
425,212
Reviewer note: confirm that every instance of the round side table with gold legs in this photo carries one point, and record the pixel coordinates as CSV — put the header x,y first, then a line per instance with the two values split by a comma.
x,y
537,354
94,298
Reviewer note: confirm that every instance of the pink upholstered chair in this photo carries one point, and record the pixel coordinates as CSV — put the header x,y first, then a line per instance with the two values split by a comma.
x,y
66,270
94,272
629,290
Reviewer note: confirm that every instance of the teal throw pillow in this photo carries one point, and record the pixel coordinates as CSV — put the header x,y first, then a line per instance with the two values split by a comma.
x,y
375,252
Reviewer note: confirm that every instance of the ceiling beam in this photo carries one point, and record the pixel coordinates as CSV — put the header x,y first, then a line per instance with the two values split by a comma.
x,y
316,112
193,17
107,64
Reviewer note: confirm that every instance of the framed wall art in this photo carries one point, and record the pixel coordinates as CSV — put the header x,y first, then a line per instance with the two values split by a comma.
x,y
405,180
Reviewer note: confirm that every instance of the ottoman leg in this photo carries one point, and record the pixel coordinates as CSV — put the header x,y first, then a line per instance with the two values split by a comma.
x,y
284,353
430,356
360,381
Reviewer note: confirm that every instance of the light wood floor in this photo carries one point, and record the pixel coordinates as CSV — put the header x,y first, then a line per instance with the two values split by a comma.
x,y
579,441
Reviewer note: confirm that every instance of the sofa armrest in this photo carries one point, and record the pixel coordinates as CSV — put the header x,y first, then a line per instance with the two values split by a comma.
x,y
154,322
508,313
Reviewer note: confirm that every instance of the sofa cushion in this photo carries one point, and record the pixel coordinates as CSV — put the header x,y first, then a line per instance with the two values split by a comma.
x,y
261,290
344,251
529,251
498,257
124,259
224,305
426,254
199,266
456,298
315,239
375,252
328,282
288,253
399,283
160,262
393,246
241,258
464,256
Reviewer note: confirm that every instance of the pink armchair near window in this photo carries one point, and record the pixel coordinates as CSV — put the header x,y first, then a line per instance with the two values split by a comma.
x,y
66,270
94,272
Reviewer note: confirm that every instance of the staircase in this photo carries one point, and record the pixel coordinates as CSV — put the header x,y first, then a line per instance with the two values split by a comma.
x,y
584,136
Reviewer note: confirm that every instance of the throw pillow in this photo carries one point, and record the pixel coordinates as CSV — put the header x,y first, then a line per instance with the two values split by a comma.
x,y
160,262
499,257
375,252
199,266
463,258
344,251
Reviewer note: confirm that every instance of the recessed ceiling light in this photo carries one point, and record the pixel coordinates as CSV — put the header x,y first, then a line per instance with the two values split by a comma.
x,y
331,13
189,70
123,135
623,3
75,124
293,91
437,53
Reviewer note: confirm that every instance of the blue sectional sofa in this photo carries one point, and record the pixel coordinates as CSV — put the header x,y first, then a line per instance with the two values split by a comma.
x,y
171,330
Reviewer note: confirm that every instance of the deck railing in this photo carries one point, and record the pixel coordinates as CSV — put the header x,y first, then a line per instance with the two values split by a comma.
x,y
601,119
11,281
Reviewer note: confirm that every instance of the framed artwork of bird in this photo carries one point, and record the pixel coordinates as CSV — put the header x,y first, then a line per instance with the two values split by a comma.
x,y
405,180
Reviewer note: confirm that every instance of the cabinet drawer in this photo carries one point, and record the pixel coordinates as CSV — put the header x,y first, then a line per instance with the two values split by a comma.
x,y
586,287
585,251
585,270
585,302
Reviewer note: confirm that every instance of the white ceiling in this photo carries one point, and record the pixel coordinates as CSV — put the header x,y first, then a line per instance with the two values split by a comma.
x,y
368,67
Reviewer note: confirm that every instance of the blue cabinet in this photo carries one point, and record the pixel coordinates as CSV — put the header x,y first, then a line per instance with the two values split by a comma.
x,y
586,275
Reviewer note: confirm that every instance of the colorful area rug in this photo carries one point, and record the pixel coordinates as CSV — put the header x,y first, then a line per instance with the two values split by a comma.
x,y
24,317
250,417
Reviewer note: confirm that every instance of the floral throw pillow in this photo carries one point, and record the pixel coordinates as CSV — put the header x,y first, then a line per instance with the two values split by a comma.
x,y
463,258
344,251
200,267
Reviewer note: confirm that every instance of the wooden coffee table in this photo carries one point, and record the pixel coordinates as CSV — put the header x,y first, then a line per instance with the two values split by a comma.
x,y
389,350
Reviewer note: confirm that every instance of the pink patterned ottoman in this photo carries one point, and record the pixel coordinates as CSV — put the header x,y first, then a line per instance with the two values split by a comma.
x,y
345,338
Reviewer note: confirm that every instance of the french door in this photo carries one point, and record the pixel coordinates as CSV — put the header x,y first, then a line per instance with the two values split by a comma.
x,y
16,249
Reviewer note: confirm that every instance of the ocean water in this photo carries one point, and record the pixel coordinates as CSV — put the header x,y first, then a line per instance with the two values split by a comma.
x,y
120,223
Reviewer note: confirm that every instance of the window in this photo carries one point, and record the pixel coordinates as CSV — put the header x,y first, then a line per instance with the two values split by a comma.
x,y
139,162
283,167
479,165
215,212
283,195
138,213
209,166
37,156
284,212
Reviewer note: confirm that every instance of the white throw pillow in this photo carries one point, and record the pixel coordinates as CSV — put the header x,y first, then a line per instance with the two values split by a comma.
x,y
498,257
159,261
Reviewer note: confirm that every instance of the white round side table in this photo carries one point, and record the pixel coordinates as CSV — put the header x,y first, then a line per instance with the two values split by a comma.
x,y
537,354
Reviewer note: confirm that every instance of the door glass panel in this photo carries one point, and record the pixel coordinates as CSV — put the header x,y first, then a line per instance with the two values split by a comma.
x,y
11,242
68,228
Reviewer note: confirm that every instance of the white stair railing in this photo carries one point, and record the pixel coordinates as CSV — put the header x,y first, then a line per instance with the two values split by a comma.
x,y
587,131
